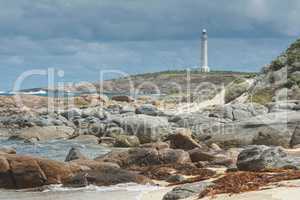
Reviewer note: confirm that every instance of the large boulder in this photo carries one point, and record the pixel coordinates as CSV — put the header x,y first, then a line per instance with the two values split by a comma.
x,y
125,141
123,98
171,156
187,190
106,177
283,106
19,172
255,130
182,139
236,89
259,158
71,113
146,157
97,112
44,133
148,109
147,128
272,137
198,155
212,157
239,112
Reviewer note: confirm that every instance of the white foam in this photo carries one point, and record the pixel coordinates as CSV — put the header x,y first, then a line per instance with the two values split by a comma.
x,y
131,187
30,93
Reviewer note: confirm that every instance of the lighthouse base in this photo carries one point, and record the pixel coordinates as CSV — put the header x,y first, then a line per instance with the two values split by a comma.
x,y
205,69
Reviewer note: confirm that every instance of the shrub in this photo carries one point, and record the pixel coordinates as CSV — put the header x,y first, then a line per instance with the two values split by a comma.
x,y
262,96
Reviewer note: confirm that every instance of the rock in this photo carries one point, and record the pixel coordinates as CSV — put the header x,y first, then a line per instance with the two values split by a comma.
x,y
236,89
107,177
187,190
182,140
147,128
125,141
75,154
198,155
296,137
114,132
45,133
146,157
127,109
177,156
272,137
51,119
4,132
282,106
94,165
18,172
7,150
87,139
72,113
156,145
97,112
107,141
213,158
215,147
243,133
121,98
239,112
175,178
145,98
259,158
148,109
96,129
90,100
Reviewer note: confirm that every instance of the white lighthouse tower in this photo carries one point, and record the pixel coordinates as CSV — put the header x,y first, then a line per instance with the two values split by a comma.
x,y
204,54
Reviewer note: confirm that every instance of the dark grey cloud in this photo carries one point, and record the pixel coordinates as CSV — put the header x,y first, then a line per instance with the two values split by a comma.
x,y
85,36
148,20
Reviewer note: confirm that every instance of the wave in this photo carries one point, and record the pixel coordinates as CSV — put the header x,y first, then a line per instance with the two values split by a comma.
x,y
131,187
30,92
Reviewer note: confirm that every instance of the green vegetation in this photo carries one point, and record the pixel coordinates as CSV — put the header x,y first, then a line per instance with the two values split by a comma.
x,y
194,71
262,96
293,80
236,89
80,102
276,65
294,46
289,58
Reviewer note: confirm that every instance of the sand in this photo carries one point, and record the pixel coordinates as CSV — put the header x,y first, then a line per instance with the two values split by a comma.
x,y
156,195
289,190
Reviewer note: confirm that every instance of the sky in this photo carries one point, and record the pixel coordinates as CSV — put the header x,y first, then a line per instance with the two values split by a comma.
x,y
84,37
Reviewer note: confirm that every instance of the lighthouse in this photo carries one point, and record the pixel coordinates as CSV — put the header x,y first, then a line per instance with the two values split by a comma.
x,y
204,54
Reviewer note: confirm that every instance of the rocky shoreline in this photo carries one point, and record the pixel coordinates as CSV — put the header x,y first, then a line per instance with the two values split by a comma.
x,y
186,152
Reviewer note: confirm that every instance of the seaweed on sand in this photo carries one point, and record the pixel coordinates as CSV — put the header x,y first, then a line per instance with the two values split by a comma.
x,y
239,182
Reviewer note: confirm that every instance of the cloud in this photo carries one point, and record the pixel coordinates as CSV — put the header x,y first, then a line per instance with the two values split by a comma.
x,y
83,36
147,20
